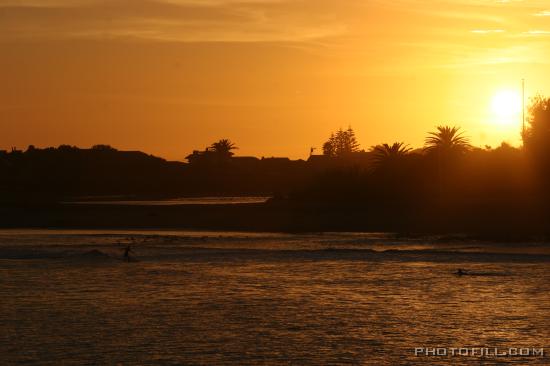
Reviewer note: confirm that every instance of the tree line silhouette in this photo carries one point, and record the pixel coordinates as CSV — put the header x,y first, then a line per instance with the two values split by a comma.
x,y
447,184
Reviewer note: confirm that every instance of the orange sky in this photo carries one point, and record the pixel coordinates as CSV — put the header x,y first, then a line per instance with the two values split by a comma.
x,y
275,76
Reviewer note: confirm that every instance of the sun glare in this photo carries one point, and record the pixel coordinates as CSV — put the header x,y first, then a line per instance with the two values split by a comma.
x,y
506,107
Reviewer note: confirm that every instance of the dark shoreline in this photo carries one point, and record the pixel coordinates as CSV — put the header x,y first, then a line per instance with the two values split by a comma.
x,y
266,217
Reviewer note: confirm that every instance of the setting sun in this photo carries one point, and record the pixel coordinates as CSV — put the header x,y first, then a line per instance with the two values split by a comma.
x,y
506,107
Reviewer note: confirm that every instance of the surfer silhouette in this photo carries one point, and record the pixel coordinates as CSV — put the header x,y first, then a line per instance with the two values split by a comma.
x,y
127,251
461,272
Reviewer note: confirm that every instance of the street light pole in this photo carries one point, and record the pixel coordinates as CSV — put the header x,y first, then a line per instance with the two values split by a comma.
x,y
523,106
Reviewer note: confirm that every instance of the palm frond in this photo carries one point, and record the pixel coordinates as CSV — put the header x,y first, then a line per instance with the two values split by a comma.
x,y
385,153
447,138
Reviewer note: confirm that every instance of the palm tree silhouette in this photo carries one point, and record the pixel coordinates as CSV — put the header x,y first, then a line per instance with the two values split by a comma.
x,y
446,145
447,139
223,148
386,154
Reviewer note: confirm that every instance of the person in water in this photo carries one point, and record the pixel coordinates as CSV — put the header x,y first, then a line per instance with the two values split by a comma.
x,y
127,251
461,272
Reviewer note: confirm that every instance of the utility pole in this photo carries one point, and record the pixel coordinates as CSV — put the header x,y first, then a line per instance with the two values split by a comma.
x,y
522,106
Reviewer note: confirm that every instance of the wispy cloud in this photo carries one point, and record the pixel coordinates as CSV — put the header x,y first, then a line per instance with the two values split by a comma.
x,y
537,33
351,28
487,31
169,20
44,3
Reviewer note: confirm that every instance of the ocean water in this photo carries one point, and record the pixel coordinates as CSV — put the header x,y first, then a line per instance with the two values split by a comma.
x,y
218,298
